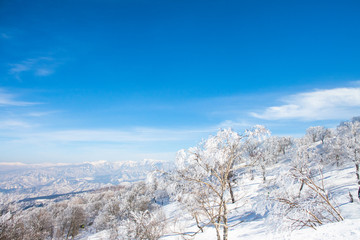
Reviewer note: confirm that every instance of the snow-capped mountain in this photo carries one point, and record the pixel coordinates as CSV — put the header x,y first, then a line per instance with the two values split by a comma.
x,y
33,180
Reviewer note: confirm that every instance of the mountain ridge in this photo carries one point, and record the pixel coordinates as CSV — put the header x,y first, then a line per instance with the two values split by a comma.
x,y
20,180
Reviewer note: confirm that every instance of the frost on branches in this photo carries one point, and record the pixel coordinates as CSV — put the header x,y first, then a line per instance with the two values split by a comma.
x,y
349,133
206,176
300,195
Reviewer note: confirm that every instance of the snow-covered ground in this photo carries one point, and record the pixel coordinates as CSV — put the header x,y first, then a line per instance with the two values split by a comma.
x,y
255,226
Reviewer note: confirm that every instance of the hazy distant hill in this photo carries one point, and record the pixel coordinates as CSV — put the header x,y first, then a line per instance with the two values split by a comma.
x,y
32,180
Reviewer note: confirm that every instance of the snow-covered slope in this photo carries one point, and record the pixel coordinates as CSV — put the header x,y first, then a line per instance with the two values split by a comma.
x,y
250,223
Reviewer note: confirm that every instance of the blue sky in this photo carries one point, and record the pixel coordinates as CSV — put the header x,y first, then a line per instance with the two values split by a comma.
x,y
133,79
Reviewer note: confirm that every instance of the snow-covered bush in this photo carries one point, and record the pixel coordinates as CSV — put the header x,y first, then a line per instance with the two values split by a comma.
x,y
144,225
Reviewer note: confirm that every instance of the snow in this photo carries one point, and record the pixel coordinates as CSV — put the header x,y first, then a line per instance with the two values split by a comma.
x,y
103,235
97,163
347,229
257,230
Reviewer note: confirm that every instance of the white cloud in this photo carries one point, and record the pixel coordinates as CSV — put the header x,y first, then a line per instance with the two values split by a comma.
x,y
40,114
41,66
44,72
330,104
13,124
355,83
8,99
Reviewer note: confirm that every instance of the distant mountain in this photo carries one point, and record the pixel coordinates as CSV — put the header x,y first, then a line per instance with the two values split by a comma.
x,y
33,180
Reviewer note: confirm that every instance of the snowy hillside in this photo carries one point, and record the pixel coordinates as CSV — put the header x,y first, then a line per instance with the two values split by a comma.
x,y
253,224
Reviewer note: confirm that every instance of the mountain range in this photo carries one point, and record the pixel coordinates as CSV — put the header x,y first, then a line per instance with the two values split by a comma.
x,y
20,181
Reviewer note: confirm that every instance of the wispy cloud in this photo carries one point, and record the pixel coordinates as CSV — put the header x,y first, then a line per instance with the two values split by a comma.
x,y
40,114
41,66
13,124
355,83
115,136
8,99
94,144
44,71
329,104
235,124
4,36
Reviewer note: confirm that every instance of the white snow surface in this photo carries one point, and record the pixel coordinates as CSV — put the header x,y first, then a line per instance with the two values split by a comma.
x,y
103,235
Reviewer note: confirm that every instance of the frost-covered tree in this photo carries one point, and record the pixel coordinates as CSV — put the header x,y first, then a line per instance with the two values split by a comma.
x,y
283,144
144,225
67,217
105,209
206,175
334,152
271,150
349,133
203,179
108,216
300,195
74,217
6,221
256,149
303,200
38,224
318,133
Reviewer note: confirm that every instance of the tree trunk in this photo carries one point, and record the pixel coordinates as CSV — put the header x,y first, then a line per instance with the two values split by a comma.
x,y
217,224
225,227
301,187
217,233
231,192
197,223
357,166
356,161
263,172
252,174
